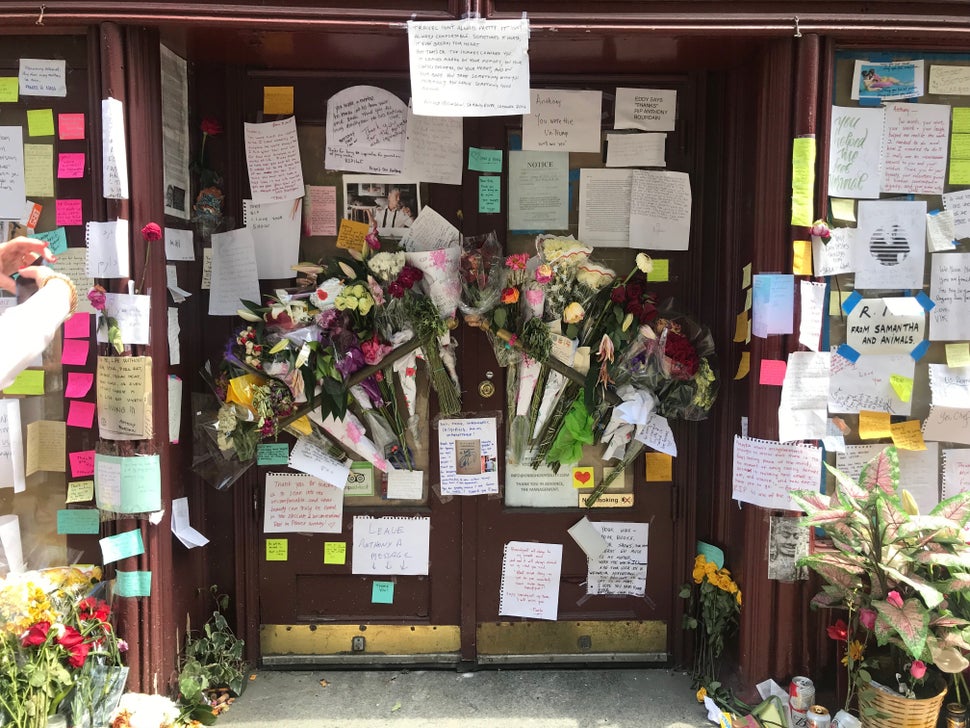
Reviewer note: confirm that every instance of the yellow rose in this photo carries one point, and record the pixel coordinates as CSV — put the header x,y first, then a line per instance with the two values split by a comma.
x,y
701,694
574,313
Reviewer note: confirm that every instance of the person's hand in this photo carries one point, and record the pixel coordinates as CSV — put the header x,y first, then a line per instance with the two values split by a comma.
x,y
18,253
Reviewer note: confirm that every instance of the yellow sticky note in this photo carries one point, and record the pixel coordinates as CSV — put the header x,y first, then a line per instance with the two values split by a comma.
x,y
660,467
803,181
836,299
39,170
843,210
741,327
960,146
961,120
40,122
276,549
9,88
958,354
583,478
747,300
902,386
744,366
335,552
29,381
960,171
874,425
746,276
46,447
802,260
351,235
908,435
661,270
277,99
80,491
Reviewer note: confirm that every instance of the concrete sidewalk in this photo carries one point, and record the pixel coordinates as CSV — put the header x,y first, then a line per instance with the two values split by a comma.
x,y
593,698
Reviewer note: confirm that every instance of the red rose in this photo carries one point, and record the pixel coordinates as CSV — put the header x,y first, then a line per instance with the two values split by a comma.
x,y
211,127
396,290
70,638
79,653
683,356
36,635
151,232
618,295
838,631
91,608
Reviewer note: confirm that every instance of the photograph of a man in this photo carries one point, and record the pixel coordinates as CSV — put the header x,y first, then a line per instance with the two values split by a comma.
x,y
389,205
393,213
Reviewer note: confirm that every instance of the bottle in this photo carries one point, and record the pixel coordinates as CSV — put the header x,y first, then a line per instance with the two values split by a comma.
x,y
956,715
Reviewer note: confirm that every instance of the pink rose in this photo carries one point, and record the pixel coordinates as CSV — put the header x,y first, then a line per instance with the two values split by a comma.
x,y
894,599
868,618
544,274
97,298
151,232
918,669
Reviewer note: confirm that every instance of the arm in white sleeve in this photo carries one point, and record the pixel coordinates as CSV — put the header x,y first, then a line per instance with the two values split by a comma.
x,y
27,329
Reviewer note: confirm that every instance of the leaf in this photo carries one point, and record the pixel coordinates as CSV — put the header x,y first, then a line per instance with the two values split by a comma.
x,y
845,576
846,485
948,659
811,501
958,582
911,623
891,518
948,621
922,524
956,508
881,472
931,595
827,600
397,707
821,518
952,561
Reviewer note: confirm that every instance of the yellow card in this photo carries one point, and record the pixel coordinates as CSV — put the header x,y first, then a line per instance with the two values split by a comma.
x,y
583,478
9,88
958,354
961,120
843,209
277,99
335,552
276,549
351,235
746,276
741,327
836,299
46,447
874,425
29,381
960,171
40,122
802,261
902,386
660,467
39,170
747,300
960,146
80,491
744,366
908,435
661,270
803,181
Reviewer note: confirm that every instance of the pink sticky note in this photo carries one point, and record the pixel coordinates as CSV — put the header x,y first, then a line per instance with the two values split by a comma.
x,y
70,165
80,414
78,326
69,212
75,352
78,384
71,126
82,463
773,371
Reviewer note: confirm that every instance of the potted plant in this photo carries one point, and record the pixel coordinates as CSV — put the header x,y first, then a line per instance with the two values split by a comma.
x,y
900,576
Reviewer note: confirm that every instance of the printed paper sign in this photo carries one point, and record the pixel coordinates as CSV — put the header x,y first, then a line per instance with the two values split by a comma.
x,y
890,245
530,580
302,504
646,109
539,191
391,545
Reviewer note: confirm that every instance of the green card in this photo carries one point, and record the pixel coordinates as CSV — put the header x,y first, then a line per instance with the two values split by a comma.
x,y
56,239
272,453
9,88
490,194
122,545
484,160
276,549
128,484
382,592
29,381
133,583
360,480
78,520
40,122
335,552
661,270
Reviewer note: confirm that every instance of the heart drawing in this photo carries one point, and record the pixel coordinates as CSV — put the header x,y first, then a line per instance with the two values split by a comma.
x,y
583,477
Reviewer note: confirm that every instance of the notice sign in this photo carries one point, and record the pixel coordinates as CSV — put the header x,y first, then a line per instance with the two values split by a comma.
x,y
391,545
886,325
297,503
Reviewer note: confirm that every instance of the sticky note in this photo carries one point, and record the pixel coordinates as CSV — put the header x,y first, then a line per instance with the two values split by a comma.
x,y
68,212
659,466
335,552
744,366
78,326
70,126
961,119
837,300
82,463
70,165
133,583
9,89
80,414
56,240
272,453
79,491
747,300
382,592
40,122
908,435
772,372
276,549
74,352
39,170
741,327
277,99
661,270
351,235
874,425
802,259
960,171
490,195
29,381
583,478
958,354
78,520
122,545
902,386
484,160
803,181
843,210
746,276
960,146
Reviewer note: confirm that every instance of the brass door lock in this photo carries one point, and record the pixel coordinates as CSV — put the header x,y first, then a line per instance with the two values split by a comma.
x,y
486,389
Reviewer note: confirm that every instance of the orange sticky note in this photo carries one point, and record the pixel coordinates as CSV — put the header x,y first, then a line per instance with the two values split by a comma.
x,y
908,435
583,478
277,99
660,467
874,425
351,235
772,372
741,327
744,366
802,260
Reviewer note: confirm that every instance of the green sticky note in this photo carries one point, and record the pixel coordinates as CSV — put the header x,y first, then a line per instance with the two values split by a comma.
x,y
78,520
79,491
803,181
382,592
960,146
958,354
960,171
133,583
9,88
961,120
272,453
661,270
128,484
335,552
56,239
711,553
40,122
29,381
490,194
902,386
843,209
276,549
121,546
484,160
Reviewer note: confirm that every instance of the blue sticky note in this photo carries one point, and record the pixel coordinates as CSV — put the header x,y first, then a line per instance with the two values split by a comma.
x,y
382,592
490,195
121,546
128,484
847,352
484,160
925,301
851,302
920,351
133,583
78,520
56,239
272,453
711,553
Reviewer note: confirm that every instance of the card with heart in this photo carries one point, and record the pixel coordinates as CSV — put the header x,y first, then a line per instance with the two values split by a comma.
x,y
583,478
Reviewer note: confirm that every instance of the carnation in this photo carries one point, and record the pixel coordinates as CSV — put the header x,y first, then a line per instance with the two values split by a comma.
x,y
594,276
386,266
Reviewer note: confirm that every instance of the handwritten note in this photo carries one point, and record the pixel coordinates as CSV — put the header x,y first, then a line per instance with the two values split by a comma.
x,y
70,126
29,381
128,484
405,484
107,248
9,89
311,459
78,521
646,109
468,456
132,314
382,592
530,580
133,583
82,463
70,165
947,424
335,553
803,181
39,170
79,491
766,472
956,472
277,100
122,545
11,446
950,318
42,77
391,545
856,144
366,131
114,167
178,244
46,444
273,160
562,121
885,325
490,194
867,383
914,154
302,504
656,433
277,549
69,212
124,397
907,435
940,231
873,425
275,227
660,209
320,210
272,453
622,568
234,272
433,149
13,197
636,150
40,122
484,160
958,355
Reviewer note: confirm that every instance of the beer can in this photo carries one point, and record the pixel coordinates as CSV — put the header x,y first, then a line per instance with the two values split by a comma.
x,y
818,717
801,694
844,719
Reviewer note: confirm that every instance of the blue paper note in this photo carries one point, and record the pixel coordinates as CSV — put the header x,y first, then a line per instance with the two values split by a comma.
x,y
773,304
484,160
272,453
382,592
56,239
133,583
121,546
78,520
128,484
